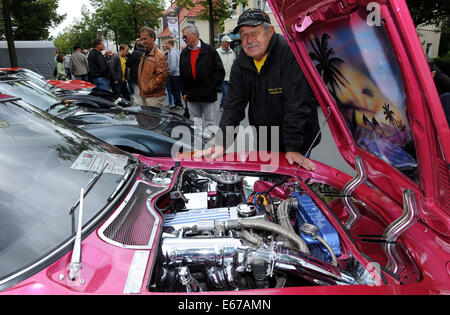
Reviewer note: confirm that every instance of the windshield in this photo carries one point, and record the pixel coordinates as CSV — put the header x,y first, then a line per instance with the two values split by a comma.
x,y
36,79
44,163
30,92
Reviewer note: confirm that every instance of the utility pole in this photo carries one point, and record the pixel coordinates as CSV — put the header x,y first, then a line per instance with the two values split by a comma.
x,y
9,33
211,23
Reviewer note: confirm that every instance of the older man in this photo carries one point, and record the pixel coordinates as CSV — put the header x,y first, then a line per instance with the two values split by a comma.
x,y
269,79
152,76
201,75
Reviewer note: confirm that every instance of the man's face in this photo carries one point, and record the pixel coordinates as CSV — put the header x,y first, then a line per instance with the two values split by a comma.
x,y
100,47
225,45
255,40
123,52
190,39
147,41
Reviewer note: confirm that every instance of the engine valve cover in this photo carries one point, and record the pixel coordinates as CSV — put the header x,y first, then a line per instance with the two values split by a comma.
x,y
309,212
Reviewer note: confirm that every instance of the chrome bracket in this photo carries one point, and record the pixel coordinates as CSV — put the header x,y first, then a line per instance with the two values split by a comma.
x,y
349,188
409,217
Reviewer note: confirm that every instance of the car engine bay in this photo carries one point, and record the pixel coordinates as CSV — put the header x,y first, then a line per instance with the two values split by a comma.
x,y
228,231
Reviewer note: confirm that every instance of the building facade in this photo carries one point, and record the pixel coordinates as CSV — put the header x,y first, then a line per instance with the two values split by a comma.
x,y
183,17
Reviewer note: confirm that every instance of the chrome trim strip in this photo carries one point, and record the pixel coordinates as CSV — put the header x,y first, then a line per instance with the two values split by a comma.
x,y
409,217
136,273
158,190
349,188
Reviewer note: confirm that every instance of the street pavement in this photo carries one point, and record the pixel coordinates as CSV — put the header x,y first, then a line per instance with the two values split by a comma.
x,y
326,152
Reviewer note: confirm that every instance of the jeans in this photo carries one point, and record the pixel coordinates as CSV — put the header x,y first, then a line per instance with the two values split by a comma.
x,y
102,83
202,111
121,90
68,74
169,91
224,88
175,89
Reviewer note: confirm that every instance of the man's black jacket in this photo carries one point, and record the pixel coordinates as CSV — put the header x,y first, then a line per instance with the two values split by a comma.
x,y
98,67
278,96
133,64
209,74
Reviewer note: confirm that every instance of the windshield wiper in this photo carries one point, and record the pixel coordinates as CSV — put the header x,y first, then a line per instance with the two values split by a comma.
x,y
88,187
75,265
75,262
129,168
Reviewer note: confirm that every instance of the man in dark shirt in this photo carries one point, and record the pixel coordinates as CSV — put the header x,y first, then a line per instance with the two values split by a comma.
x,y
201,75
133,64
268,78
98,68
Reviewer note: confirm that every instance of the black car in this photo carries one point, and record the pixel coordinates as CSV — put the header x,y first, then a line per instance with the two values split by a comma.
x,y
145,131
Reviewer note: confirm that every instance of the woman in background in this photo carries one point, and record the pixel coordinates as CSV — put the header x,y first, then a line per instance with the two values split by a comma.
x,y
60,70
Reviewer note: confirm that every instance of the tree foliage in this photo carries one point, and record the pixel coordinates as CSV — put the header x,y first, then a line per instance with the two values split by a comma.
x,y
34,18
215,11
429,11
124,18
81,33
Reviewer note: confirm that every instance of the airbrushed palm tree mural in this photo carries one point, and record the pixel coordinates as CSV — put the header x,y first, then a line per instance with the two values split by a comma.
x,y
364,79
327,64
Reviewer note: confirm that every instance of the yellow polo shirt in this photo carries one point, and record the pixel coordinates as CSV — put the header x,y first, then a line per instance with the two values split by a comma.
x,y
260,64
123,61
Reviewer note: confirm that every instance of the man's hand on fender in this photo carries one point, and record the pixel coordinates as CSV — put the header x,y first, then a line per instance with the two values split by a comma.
x,y
296,157
213,152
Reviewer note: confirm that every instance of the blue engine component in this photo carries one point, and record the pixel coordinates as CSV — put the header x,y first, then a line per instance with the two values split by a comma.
x,y
308,212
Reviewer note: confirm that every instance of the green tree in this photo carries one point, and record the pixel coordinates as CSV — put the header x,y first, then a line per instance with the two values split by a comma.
x,y
6,10
82,33
124,18
33,18
429,12
215,11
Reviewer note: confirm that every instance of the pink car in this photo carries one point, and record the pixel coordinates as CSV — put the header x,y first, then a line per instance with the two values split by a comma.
x,y
109,223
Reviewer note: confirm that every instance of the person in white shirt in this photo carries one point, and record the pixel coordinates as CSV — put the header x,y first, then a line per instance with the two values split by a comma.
x,y
228,56
173,60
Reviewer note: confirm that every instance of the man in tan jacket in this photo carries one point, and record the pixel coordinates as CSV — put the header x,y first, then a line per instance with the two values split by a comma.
x,y
153,69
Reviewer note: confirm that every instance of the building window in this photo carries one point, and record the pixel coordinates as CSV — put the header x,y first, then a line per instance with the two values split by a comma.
x,y
429,49
234,7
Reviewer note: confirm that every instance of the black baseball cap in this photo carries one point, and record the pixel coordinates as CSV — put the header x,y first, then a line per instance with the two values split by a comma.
x,y
252,17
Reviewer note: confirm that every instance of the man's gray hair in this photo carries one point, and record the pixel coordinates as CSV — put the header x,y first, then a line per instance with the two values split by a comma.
x,y
266,27
192,29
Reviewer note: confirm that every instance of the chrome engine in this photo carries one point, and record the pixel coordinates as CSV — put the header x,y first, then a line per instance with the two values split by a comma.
x,y
213,245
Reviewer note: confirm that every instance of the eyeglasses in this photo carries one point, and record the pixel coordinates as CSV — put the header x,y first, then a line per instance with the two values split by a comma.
x,y
246,35
184,37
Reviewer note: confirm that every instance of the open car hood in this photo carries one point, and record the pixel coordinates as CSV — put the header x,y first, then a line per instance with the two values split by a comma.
x,y
366,66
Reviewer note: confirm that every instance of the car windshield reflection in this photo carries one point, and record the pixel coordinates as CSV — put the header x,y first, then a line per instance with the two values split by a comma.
x,y
44,164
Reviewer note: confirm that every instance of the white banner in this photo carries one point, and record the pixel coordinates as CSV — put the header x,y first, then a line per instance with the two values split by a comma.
x,y
172,23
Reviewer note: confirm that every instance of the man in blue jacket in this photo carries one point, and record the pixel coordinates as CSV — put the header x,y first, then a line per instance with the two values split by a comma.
x,y
269,80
